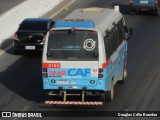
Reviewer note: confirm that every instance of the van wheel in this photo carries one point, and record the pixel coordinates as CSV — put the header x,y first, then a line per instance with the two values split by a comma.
x,y
124,74
108,96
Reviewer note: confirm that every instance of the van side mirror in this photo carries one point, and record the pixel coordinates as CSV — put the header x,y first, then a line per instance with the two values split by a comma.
x,y
128,32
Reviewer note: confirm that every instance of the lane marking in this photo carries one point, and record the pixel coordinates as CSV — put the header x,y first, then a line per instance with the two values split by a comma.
x,y
62,9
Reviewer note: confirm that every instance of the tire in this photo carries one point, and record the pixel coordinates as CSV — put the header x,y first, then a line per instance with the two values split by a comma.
x,y
124,74
109,95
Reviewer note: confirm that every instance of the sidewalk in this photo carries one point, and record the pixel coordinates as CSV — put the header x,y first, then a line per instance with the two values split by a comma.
x,y
6,5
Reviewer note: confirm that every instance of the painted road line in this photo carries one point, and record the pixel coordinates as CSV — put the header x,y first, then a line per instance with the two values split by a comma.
x,y
63,8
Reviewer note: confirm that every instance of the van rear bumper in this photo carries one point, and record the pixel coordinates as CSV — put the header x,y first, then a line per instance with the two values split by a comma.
x,y
74,92
76,88
64,97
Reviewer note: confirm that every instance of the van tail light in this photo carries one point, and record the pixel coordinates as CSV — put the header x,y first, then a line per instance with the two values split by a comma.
x,y
45,75
15,37
100,76
44,69
100,70
45,72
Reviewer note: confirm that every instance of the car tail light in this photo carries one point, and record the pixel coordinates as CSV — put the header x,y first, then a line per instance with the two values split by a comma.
x,y
15,36
131,2
156,3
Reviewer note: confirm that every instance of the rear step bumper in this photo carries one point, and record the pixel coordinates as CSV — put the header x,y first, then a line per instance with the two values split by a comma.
x,y
65,102
72,103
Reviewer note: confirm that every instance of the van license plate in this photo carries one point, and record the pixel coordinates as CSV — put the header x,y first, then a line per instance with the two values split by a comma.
x,y
144,2
30,47
62,82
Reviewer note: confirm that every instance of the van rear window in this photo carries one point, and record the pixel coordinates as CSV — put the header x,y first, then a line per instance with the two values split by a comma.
x,y
73,45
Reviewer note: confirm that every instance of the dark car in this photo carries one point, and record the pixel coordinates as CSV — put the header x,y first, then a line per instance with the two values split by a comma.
x,y
145,5
30,34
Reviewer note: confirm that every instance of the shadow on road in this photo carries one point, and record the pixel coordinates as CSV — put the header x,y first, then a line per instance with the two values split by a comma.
x,y
7,46
23,77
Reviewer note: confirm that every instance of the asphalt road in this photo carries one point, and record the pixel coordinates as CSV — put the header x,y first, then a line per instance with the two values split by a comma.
x,y
21,82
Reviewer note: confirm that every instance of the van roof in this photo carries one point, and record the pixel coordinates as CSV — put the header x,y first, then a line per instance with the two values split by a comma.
x,y
102,17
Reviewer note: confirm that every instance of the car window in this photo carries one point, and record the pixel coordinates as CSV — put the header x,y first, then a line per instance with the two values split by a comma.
x,y
34,25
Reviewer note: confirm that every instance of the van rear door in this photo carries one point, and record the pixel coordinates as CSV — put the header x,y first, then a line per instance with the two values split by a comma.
x,y
73,55
73,76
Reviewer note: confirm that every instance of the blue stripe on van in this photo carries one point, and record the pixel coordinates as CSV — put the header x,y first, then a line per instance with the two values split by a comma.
x,y
81,24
